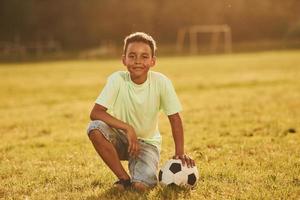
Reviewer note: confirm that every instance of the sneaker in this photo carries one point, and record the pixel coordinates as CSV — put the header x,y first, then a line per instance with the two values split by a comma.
x,y
123,184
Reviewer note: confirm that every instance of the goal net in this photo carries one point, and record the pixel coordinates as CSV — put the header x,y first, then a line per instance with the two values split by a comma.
x,y
192,33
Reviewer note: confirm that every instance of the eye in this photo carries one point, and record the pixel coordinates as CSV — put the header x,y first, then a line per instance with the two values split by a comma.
x,y
131,56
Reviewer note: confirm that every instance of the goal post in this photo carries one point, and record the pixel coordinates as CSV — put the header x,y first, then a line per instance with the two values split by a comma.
x,y
192,33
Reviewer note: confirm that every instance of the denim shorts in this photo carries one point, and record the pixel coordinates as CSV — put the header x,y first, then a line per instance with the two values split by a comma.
x,y
142,168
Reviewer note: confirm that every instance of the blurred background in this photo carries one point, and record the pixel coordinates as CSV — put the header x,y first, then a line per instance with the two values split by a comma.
x,y
55,29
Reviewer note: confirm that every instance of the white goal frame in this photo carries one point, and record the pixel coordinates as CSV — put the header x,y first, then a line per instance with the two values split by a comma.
x,y
215,31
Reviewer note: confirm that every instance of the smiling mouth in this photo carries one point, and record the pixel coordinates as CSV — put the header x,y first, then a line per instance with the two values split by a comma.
x,y
138,68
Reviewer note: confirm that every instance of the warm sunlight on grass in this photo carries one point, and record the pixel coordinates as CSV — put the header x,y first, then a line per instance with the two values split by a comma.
x,y
241,117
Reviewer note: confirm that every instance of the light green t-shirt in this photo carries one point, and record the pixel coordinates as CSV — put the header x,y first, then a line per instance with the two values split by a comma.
x,y
139,105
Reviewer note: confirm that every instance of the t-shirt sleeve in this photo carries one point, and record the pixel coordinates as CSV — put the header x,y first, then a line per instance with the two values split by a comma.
x,y
109,93
170,103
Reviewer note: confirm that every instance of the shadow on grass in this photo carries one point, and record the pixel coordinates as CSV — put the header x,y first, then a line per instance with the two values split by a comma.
x,y
159,192
114,193
172,192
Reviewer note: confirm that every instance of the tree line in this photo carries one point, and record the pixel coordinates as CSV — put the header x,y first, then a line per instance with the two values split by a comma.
x,y
86,23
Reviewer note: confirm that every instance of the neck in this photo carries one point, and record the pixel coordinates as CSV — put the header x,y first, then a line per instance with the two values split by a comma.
x,y
139,80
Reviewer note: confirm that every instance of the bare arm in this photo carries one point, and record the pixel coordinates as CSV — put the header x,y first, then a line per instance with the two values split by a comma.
x,y
177,132
99,113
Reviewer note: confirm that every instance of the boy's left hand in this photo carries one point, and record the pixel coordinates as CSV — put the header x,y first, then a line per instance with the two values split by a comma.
x,y
185,159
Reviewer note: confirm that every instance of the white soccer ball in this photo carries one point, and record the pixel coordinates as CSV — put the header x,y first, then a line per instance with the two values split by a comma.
x,y
174,173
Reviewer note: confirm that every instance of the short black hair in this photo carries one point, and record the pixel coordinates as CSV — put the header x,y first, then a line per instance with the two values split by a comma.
x,y
140,37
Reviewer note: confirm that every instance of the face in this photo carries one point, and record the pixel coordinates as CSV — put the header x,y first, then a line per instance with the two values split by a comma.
x,y
138,60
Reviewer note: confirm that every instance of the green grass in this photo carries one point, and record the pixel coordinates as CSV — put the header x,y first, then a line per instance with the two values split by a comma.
x,y
240,115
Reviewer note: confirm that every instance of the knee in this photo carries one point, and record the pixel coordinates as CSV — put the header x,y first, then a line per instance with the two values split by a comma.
x,y
94,127
93,134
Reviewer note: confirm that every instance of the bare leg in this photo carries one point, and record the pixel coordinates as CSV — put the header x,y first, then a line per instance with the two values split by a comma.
x,y
108,153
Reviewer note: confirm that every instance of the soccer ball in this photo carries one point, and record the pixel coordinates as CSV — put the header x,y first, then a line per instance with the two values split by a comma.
x,y
174,173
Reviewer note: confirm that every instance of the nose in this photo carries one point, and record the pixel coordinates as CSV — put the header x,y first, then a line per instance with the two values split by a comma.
x,y
138,60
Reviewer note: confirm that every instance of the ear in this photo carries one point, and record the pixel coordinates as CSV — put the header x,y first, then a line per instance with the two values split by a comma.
x,y
124,60
153,62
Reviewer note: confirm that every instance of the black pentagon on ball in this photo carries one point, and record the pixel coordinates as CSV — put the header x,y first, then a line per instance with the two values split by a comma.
x,y
192,179
172,185
175,167
160,175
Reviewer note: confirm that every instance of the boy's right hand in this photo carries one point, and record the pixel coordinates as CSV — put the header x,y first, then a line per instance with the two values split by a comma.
x,y
133,145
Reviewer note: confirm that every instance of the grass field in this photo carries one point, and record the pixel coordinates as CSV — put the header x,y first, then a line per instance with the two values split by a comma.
x,y
241,118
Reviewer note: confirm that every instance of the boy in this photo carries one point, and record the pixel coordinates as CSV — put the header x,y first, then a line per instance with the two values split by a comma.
x,y
124,118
